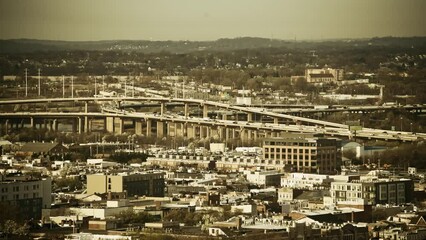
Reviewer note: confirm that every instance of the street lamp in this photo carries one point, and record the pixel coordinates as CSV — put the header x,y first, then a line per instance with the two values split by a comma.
x,y
411,127
401,124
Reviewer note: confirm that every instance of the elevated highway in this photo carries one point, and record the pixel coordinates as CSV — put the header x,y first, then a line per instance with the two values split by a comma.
x,y
242,128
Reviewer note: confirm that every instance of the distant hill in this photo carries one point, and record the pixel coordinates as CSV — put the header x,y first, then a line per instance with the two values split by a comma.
x,y
30,45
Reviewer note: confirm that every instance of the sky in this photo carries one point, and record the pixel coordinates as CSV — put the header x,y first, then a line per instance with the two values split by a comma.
x,y
200,20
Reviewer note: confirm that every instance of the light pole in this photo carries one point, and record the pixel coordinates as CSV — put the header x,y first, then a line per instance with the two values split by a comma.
x,y
401,123
411,127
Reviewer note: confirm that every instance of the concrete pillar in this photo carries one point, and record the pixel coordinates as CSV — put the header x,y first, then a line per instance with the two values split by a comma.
x,y
177,129
109,124
162,108
205,111
275,120
89,125
55,124
6,126
243,135
160,129
249,117
118,125
201,132
148,127
31,122
224,116
79,125
220,132
186,110
190,131
227,133
138,127
208,131
233,133
185,130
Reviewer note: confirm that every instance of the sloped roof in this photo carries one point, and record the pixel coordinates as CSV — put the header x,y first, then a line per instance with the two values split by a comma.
x,y
38,147
5,142
312,195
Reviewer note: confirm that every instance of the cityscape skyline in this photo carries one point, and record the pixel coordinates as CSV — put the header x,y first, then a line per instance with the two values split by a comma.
x,y
209,20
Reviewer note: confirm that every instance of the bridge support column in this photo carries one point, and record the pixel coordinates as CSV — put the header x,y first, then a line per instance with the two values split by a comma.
x,y
191,130
6,126
138,127
148,127
227,134
118,125
243,135
275,120
162,108
79,125
249,117
205,111
89,124
32,122
186,110
208,132
160,129
220,132
233,133
185,130
224,117
109,124
55,125
201,132
181,132
214,132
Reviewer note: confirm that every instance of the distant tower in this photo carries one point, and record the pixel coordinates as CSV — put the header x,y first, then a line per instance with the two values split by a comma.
x,y
26,82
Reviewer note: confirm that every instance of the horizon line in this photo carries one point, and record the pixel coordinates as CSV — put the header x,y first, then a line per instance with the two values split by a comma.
x,y
224,38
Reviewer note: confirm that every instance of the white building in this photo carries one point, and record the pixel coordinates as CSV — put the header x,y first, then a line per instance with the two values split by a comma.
x,y
265,178
304,180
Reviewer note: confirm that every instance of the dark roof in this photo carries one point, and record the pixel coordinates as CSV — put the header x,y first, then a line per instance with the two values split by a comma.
x,y
38,147
321,75
312,195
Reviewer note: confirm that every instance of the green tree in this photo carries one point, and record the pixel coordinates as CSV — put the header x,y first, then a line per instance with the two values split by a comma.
x,y
131,217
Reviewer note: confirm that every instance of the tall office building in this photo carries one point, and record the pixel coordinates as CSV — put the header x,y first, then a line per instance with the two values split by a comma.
x,y
304,153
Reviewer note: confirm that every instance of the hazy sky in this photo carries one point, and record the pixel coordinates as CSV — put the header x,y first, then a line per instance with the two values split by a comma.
x,y
210,19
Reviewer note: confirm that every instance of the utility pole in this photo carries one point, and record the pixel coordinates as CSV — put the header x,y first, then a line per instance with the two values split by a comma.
x,y
72,86
125,87
26,82
95,88
63,86
133,88
39,82
183,88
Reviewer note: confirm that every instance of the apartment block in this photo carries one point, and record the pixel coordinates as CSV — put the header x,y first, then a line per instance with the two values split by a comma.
x,y
26,194
307,153
140,184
